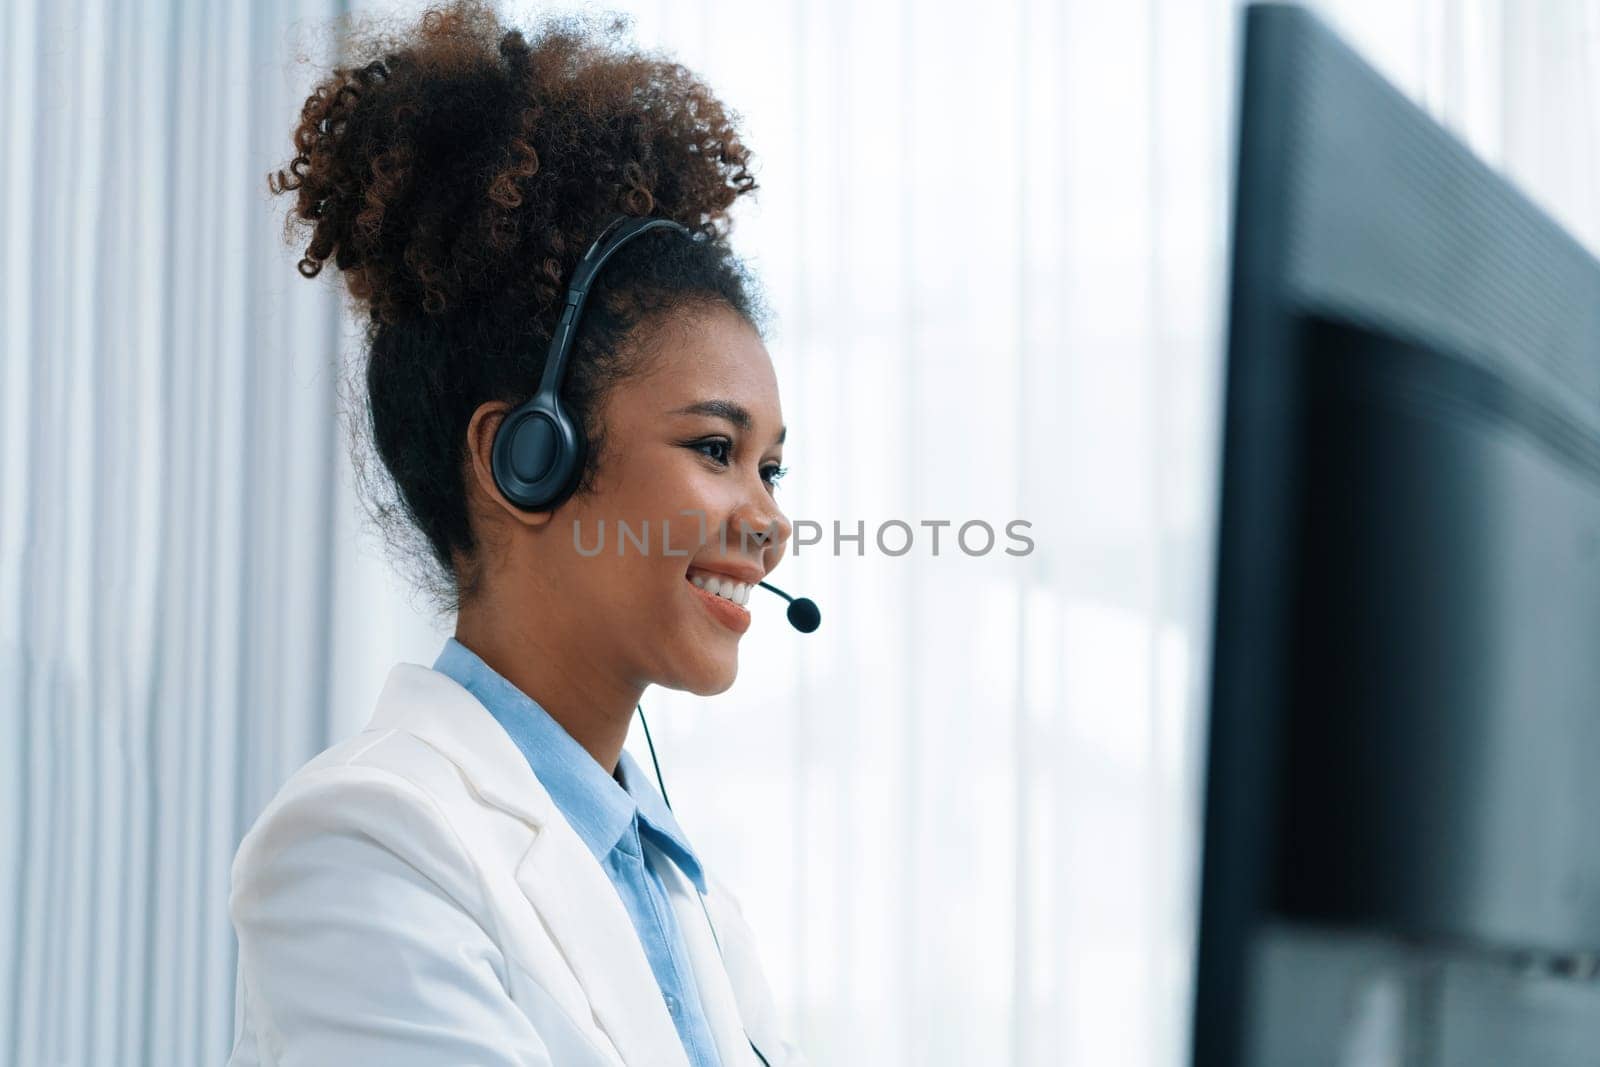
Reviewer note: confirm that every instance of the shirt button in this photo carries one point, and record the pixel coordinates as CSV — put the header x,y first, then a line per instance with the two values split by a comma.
x,y
672,1003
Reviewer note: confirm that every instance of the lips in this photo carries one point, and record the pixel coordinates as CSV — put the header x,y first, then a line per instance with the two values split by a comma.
x,y
734,616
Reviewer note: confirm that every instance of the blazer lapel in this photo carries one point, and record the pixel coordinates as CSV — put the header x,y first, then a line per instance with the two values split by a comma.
x,y
586,917
558,874
717,997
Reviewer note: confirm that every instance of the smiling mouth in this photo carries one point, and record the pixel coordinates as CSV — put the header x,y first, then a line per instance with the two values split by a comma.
x,y
731,613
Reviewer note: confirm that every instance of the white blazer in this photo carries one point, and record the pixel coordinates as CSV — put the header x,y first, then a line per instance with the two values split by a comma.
x,y
413,896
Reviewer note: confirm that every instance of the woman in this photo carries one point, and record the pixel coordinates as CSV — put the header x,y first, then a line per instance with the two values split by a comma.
x,y
483,875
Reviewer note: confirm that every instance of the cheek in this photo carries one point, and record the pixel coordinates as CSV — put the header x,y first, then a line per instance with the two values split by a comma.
x,y
663,488
693,515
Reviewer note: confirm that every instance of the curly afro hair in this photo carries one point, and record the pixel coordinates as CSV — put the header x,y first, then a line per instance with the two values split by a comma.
x,y
455,171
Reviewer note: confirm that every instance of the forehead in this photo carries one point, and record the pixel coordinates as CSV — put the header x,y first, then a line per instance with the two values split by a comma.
x,y
709,354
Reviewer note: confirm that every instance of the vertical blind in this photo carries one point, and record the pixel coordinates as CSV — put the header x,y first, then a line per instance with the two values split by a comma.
x,y
962,816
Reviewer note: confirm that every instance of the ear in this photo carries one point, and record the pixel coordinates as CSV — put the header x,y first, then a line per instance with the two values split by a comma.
x,y
480,448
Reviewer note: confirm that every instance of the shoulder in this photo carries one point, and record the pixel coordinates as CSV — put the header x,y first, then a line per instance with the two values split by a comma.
x,y
366,931
380,790
367,784
369,767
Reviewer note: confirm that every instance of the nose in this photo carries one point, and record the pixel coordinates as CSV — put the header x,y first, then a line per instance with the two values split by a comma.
x,y
761,525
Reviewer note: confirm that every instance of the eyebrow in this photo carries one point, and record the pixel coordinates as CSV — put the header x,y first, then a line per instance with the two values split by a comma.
x,y
726,409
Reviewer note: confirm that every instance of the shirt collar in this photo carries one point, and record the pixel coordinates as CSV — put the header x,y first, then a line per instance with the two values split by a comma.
x,y
655,814
600,808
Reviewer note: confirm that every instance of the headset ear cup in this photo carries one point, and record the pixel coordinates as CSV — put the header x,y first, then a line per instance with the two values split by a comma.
x,y
505,477
537,453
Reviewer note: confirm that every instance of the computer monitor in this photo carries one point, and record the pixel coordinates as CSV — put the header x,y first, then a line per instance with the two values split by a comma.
x,y
1401,860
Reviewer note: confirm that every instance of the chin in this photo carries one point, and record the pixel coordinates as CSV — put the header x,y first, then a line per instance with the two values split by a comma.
x,y
708,678
711,685
702,655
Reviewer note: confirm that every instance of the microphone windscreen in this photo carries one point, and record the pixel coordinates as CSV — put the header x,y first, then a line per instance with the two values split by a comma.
x,y
803,615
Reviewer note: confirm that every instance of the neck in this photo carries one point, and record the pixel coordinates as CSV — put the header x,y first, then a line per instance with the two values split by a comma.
x,y
569,679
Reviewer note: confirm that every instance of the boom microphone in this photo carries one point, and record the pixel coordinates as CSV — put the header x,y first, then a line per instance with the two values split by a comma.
x,y
803,614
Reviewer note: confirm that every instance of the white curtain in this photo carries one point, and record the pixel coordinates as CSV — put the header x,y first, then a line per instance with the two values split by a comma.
x,y
962,816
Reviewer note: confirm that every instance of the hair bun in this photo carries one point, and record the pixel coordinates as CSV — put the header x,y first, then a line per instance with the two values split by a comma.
x,y
461,162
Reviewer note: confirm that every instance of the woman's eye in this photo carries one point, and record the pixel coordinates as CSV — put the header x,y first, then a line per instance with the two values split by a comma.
x,y
716,448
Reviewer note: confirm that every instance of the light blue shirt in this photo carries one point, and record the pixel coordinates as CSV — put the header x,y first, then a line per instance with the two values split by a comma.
x,y
613,816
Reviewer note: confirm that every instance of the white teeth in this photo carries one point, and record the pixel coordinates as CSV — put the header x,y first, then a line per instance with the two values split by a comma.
x,y
726,588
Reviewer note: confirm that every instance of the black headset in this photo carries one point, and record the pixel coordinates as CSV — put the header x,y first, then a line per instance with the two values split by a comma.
x,y
539,448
